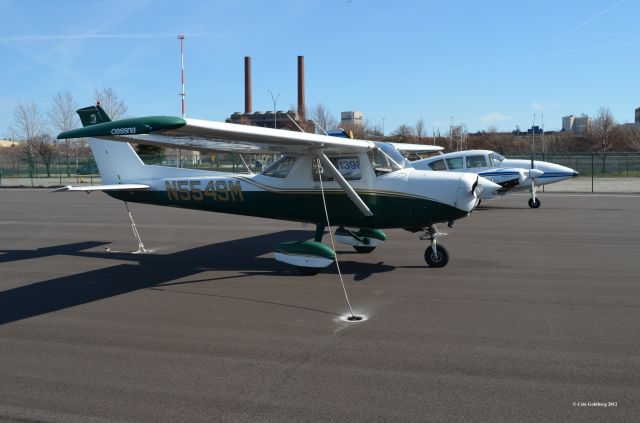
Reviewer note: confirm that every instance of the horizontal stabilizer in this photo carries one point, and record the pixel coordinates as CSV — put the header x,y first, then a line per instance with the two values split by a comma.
x,y
115,187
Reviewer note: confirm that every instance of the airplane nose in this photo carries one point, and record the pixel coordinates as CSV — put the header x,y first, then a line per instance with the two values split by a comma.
x,y
486,188
471,188
575,174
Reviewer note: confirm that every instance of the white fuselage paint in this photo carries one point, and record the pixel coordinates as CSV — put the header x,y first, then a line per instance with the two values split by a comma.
x,y
508,169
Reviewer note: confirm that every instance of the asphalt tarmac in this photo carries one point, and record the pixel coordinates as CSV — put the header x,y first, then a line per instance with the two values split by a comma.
x,y
535,318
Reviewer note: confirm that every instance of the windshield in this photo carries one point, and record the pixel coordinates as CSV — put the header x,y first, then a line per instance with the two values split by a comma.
x,y
495,159
386,158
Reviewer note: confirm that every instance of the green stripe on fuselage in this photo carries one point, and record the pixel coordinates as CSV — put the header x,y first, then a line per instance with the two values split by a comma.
x,y
388,211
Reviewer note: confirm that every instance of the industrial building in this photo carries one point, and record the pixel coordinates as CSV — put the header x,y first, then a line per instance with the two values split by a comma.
x,y
272,119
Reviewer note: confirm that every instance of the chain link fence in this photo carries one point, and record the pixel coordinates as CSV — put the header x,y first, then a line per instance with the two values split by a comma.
x,y
60,171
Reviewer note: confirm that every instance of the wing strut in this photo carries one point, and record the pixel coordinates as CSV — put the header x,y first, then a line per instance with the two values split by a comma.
x,y
351,193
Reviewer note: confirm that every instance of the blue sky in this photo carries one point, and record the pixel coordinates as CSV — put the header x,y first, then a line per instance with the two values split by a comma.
x,y
489,63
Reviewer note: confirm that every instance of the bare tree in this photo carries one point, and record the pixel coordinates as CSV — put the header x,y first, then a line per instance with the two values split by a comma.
x,y
323,117
420,131
47,150
602,136
62,116
110,102
27,123
404,133
631,135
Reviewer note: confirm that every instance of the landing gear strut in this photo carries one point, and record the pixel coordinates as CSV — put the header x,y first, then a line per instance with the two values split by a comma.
x,y
534,202
435,255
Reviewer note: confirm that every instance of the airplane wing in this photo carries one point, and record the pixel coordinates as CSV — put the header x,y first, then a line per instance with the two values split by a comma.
x,y
406,148
198,134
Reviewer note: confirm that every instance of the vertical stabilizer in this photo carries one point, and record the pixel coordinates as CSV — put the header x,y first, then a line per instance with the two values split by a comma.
x,y
117,161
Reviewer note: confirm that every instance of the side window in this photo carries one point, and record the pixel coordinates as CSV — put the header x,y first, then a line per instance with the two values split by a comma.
x,y
281,168
438,165
380,162
454,163
476,161
349,168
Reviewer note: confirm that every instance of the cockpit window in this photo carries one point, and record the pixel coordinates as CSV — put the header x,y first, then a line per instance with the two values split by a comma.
x,y
476,161
348,166
454,163
281,168
386,158
438,165
495,159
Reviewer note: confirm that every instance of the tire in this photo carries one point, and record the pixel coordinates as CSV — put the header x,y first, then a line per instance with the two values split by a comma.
x,y
363,249
534,205
308,271
439,260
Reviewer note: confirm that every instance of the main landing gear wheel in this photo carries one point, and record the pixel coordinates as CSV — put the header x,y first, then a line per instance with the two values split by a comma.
x,y
439,259
362,249
534,204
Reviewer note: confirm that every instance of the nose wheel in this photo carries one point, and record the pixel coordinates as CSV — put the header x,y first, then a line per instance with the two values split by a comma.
x,y
435,255
534,203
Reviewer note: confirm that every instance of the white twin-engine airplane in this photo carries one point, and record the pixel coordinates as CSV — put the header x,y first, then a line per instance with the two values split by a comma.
x,y
510,174
359,186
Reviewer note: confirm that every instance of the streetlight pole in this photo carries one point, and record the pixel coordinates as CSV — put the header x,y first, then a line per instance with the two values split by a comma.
x,y
181,38
275,114
383,118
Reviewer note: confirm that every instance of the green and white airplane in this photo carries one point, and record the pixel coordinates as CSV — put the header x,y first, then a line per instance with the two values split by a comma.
x,y
359,186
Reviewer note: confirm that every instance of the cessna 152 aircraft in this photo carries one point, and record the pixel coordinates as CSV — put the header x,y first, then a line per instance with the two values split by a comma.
x,y
359,186
511,175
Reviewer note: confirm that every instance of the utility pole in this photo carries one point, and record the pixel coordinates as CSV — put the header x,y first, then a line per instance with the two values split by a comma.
x,y
275,114
543,137
181,38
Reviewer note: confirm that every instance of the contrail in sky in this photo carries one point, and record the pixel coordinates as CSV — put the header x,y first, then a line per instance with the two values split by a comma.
x,y
581,24
59,37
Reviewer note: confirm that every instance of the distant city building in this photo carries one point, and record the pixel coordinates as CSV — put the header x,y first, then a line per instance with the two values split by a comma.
x,y
582,125
579,125
352,119
567,122
638,115
535,130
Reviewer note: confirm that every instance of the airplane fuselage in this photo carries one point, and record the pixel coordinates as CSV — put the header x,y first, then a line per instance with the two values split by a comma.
x,y
408,198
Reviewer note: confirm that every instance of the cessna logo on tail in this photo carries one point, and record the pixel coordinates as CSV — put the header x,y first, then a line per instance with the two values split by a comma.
x,y
123,131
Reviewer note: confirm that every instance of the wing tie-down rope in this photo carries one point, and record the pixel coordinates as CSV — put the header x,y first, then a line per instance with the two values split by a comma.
x,y
333,245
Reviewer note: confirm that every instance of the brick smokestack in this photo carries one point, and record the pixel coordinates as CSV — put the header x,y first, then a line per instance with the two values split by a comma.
x,y
301,108
247,84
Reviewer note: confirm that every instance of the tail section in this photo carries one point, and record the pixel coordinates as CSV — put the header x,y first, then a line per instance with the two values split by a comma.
x,y
93,115
117,161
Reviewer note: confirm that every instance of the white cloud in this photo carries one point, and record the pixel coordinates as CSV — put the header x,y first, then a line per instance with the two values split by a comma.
x,y
539,107
494,117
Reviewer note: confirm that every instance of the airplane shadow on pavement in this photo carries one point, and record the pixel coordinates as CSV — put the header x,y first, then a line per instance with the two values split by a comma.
x,y
153,270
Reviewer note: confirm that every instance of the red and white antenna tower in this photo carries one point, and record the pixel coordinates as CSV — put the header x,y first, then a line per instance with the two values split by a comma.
x,y
181,38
